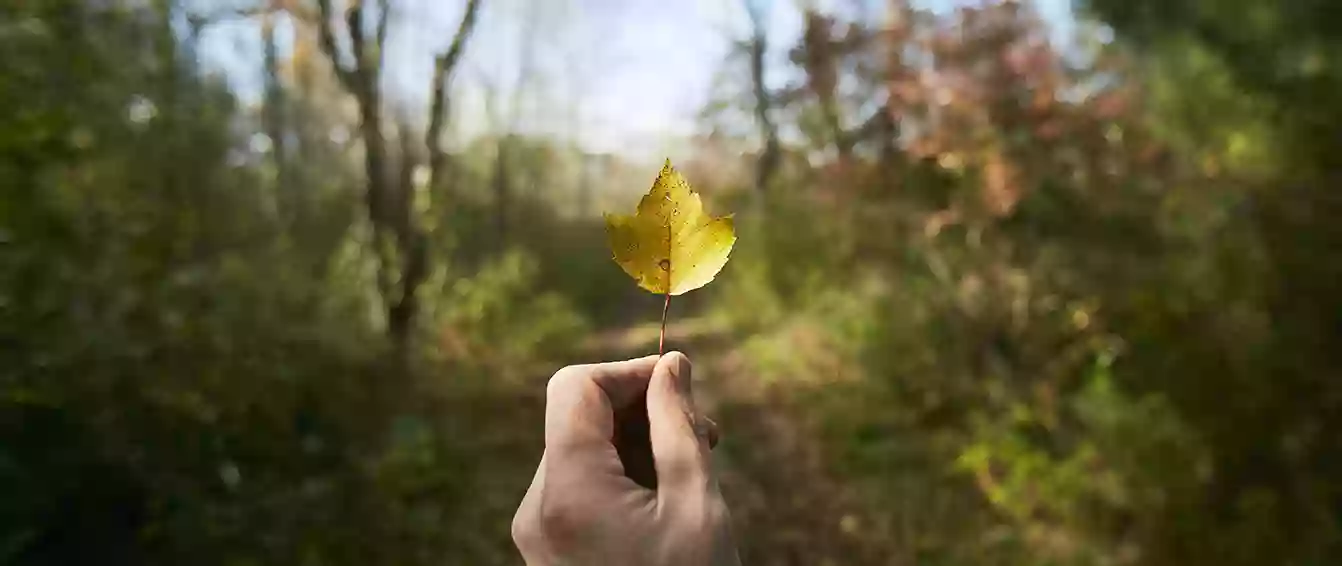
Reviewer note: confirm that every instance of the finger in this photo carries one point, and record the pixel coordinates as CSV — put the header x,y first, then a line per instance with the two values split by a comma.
x,y
626,381
679,448
581,401
580,456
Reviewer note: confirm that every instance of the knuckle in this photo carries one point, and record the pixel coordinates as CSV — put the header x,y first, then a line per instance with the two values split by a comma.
x,y
563,380
524,530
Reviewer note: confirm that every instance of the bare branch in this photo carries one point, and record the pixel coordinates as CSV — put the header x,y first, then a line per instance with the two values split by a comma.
x,y
274,113
872,126
444,65
449,60
757,13
383,16
327,38
758,47
354,22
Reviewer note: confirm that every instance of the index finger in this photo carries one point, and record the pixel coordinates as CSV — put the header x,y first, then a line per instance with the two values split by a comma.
x,y
580,402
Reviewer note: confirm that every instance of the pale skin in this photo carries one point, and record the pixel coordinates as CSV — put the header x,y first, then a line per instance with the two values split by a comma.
x,y
626,476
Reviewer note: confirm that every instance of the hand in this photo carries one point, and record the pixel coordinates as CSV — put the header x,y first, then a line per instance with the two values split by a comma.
x,y
625,478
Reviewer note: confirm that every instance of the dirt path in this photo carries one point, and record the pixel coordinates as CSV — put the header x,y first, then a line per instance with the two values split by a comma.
x,y
787,508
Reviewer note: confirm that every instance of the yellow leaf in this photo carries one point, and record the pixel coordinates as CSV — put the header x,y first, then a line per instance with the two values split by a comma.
x,y
670,245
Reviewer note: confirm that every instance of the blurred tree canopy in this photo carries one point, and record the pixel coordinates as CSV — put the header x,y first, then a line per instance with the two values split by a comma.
x,y
996,299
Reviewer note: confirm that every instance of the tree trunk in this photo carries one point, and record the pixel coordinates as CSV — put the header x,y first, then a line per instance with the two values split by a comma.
x,y
401,245
768,162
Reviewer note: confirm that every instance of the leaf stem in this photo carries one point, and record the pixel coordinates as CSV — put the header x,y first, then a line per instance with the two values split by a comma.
x,y
661,342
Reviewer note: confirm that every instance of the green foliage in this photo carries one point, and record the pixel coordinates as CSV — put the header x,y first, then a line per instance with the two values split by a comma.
x,y
191,364
1057,311
764,290
498,314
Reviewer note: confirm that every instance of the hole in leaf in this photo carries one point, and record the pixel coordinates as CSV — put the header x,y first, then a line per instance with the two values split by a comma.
x,y
665,264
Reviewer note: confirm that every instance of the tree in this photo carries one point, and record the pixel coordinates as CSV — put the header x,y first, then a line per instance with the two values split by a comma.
x,y
758,47
400,242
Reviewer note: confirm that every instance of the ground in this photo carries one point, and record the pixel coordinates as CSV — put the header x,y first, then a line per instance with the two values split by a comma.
x,y
787,507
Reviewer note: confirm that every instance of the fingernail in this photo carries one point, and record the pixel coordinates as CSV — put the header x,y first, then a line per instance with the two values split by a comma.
x,y
683,372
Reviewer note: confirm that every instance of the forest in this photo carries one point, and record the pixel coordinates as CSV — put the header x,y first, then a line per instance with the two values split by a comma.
x,y
1009,288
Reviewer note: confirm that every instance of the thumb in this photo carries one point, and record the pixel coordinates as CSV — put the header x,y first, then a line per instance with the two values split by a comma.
x,y
679,447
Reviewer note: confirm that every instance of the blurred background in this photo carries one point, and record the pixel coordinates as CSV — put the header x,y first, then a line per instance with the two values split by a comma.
x,y
282,281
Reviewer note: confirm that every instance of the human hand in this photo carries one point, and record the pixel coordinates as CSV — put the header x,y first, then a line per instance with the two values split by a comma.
x,y
625,478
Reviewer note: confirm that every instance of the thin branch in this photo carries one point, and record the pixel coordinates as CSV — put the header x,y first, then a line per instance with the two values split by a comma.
x,y
327,38
758,47
383,16
357,41
444,65
873,125
274,113
449,60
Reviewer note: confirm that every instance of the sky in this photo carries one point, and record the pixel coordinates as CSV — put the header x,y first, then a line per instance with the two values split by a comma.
x,y
622,76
